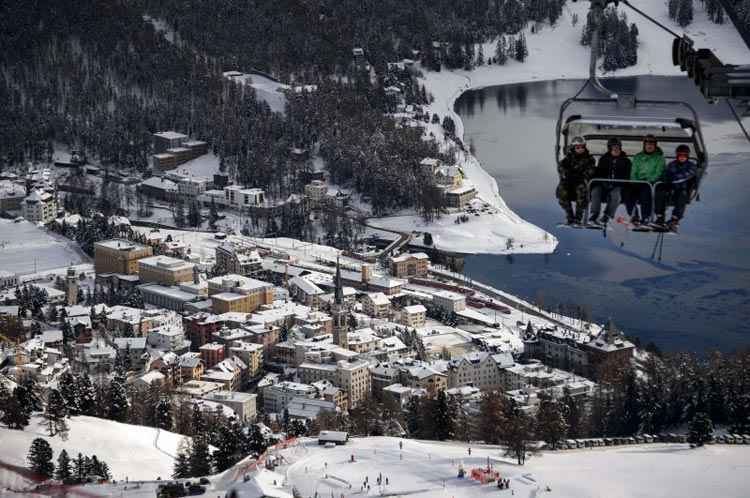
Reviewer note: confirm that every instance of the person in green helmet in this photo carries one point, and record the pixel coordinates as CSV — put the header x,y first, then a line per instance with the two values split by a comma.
x,y
647,165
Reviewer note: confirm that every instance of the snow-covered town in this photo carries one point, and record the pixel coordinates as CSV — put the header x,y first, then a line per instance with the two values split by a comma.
x,y
248,250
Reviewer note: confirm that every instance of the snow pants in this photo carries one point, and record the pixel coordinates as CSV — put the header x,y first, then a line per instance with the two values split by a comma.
x,y
568,193
639,194
677,196
600,191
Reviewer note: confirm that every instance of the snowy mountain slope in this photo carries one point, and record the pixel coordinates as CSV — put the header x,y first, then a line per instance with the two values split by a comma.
x,y
429,469
555,53
135,452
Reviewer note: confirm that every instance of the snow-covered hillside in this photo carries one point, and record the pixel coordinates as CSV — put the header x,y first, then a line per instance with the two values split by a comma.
x,y
132,451
555,52
429,469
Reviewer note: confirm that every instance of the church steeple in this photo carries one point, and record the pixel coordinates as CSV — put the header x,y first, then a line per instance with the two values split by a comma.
x,y
339,312
338,296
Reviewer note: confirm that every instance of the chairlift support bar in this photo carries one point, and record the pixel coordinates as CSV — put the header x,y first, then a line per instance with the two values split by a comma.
x,y
698,130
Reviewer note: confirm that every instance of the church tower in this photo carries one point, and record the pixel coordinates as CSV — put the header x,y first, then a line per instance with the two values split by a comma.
x,y
71,287
339,313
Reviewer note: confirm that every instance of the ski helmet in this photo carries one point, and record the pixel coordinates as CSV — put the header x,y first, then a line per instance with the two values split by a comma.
x,y
578,141
649,139
682,149
614,142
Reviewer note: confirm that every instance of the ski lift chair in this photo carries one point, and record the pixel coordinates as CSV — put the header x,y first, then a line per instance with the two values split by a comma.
x,y
630,125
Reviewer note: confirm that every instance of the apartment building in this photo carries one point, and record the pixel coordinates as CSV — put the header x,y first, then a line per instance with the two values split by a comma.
x,y
119,256
479,369
39,207
410,265
414,316
376,305
235,293
165,270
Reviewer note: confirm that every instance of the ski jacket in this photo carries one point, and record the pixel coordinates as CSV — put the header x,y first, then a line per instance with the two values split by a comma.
x,y
678,175
649,167
614,168
576,168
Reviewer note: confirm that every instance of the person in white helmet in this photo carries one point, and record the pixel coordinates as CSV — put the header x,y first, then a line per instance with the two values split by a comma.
x,y
575,170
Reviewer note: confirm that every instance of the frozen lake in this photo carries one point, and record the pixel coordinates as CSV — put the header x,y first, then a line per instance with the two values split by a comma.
x,y
696,297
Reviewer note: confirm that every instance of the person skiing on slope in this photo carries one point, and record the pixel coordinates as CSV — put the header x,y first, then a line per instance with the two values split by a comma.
x,y
575,170
614,165
647,165
678,180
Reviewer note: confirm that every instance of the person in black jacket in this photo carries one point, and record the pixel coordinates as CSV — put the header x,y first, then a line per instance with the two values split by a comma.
x,y
614,165
575,170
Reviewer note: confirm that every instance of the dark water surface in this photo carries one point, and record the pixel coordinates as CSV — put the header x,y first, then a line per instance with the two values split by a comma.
x,y
696,297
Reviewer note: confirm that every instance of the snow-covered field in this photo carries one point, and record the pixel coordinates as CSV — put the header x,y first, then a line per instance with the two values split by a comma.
x,y
135,452
429,469
26,248
488,233
555,53
206,166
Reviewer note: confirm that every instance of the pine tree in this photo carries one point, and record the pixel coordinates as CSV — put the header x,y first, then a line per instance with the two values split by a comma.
x,y
14,414
673,7
550,422
200,457
414,416
444,415
491,417
117,408
86,395
40,458
700,429
63,471
179,213
79,468
69,392
685,13
55,413
575,415
449,126
227,451
739,414
521,51
517,433
194,214
182,462
164,413
256,440
27,394
501,50
631,58
104,471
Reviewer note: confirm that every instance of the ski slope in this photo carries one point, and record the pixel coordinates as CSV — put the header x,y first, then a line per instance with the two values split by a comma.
x,y
132,451
429,469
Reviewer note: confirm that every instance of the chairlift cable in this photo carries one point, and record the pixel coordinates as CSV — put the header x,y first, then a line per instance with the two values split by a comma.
x,y
739,120
648,17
